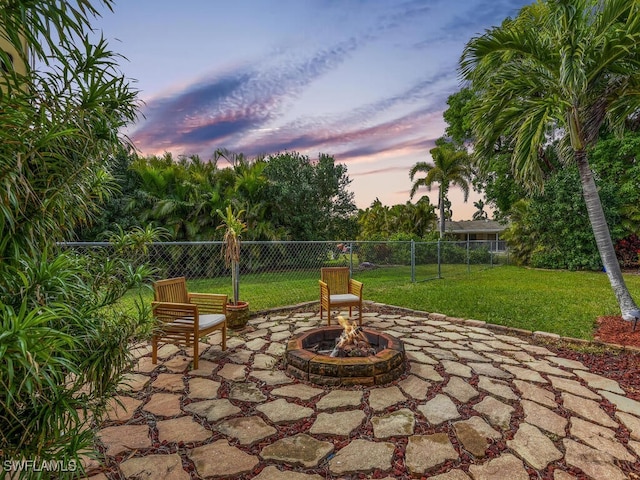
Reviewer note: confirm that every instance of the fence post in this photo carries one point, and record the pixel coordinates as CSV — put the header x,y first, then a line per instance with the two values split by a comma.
x,y
413,261
491,253
350,259
439,261
468,255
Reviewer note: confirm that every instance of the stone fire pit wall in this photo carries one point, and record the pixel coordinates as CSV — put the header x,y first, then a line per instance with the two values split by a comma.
x,y
387,365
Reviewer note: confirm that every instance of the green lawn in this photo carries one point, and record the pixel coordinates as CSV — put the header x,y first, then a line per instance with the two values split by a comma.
x,y
566,303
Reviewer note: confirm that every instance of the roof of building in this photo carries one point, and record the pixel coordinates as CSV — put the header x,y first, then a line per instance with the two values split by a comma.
x,y
474,226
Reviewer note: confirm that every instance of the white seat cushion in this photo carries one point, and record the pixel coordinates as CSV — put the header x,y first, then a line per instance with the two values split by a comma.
x,y
211,319
206,321
344,298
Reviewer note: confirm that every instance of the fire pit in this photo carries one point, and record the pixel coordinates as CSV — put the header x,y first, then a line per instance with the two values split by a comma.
x,y
345,355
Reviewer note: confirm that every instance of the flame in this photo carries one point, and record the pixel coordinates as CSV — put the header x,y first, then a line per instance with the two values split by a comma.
x,y
351,334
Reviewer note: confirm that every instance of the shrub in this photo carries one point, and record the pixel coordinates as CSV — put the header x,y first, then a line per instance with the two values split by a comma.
x,y
627,251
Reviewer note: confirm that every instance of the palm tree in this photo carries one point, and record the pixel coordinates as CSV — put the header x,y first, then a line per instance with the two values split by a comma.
x,y
449,167
479,214
559,72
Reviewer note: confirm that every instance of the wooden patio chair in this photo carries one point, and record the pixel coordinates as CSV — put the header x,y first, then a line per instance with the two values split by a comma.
x,y
337,289
185,317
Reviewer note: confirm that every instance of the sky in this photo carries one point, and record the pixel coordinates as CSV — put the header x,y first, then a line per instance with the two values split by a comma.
x,y
365,81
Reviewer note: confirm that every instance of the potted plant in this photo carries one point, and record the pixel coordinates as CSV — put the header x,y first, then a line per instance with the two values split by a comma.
x,y
237,311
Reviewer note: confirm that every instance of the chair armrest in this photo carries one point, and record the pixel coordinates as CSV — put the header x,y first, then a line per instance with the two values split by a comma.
x,y
169,312
324,291
209,302
188,308
355,287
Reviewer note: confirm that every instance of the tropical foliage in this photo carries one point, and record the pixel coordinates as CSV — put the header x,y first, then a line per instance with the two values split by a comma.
x,y
381,222
63,343
285,196
561,71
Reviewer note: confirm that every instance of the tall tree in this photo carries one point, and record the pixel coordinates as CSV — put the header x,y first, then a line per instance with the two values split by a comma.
x,y
450,167
64,343
563,69
308,198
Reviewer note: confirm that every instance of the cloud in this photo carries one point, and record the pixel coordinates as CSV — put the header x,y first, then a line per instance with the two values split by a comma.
x,y
227,105
243,108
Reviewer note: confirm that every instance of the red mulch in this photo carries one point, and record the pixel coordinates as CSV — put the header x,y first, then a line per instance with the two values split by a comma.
x,y
622,366
618,331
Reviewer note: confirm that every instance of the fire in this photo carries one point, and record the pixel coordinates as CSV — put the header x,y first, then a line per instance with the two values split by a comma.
x,y
351,338
352,333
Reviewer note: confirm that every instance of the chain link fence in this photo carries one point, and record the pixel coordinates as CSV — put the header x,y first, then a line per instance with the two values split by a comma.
x,y
286,272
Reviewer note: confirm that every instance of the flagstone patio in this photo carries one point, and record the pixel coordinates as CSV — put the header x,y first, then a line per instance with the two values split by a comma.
x,y
477,402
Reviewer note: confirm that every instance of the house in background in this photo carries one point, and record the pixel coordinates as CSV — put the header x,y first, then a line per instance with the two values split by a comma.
x,y
10,58
478,231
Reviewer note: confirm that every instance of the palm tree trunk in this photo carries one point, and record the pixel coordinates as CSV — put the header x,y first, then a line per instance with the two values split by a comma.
x,y
602,235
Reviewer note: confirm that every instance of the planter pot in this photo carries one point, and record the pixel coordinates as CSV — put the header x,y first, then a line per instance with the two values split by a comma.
x,y
237,315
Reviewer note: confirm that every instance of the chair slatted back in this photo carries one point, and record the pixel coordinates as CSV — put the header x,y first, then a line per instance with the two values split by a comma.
x,y
172,290
337,278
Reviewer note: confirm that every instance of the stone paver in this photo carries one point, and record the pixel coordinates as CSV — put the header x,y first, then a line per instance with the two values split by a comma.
x,y
542,417
300,449
338,423
203,388
280,411
394,424
596,464
362,456
588,409
474,434
163,404
133,382
477,403
122,408
303,392
340,398
599,382
524,373
167,467
573,387
631,422
415,387
227,461
247,392
456,368
536,393
426,451
534,447
622,403
126,437
272,377
172,382
273,473
233,372
505,466
182,429
488,370
600,438
426,372
497,388
213,410
498,413
460,390
439,409
247,430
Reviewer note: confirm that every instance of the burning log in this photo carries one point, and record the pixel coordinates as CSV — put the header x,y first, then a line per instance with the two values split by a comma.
x,y
352,341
